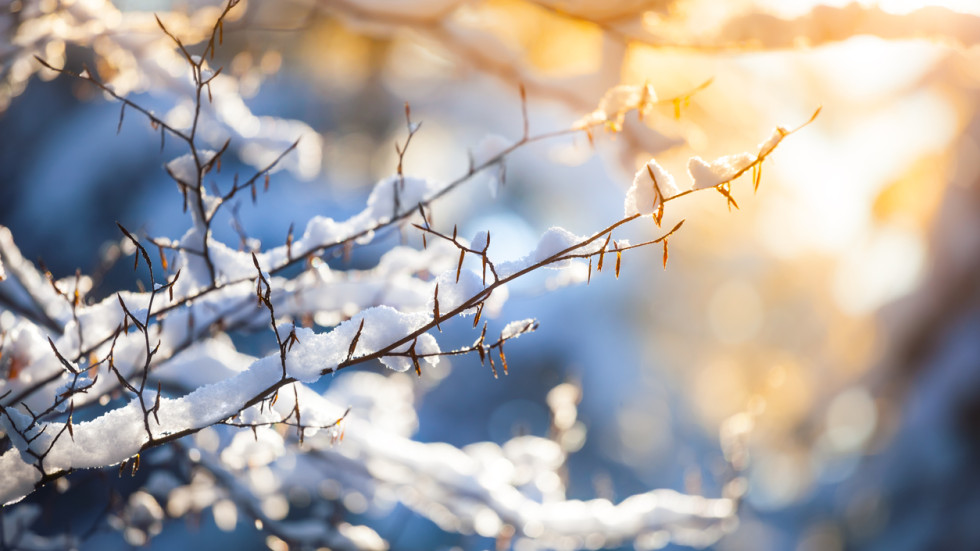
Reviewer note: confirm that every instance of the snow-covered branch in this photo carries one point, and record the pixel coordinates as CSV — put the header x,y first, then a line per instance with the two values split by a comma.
x,y
95,383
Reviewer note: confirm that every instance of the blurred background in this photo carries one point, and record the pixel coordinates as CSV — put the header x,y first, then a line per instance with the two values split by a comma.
x,y
837,311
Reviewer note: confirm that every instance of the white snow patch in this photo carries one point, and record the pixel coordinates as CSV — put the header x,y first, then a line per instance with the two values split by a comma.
x,y
617,102
184,169
480,241
383,326
321,231
717,172
642,196
204,363
17,477
410,191
777,136
551,243
454,293
268,137
232,265
517,328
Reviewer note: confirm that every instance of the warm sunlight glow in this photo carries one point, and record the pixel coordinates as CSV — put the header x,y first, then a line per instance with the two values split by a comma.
x,y
795,8
875,146
906,6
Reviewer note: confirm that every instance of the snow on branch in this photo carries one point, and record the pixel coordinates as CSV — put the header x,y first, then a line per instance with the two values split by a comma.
x,y
92,384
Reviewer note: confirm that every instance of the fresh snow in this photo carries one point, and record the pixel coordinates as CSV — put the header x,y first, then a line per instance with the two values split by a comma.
x,y
642,196
321,231
551,243
453,293
383,325
120,433
617,102
777,136
184,169
517,328
717,172
725,169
